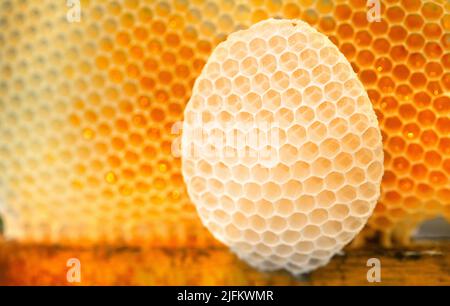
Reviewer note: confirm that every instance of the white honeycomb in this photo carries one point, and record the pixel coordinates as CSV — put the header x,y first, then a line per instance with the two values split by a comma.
x,y
282,152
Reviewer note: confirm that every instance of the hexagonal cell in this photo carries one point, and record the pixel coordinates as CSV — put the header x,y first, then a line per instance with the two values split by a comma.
x,y
298,259
296,134
339,211
300,78
232,103
227,203
325,198
343,161
251,237
332,228
245,247
259,174
252,103
232,232
264,208
280,173
230,68
216,186
371,137
240,173
355,176
309,58
352,224
313,185
313,95
238,50
326,111
249,66
284,207
257,46
297,41
280,81
317,131
333,91
318,216
277,224
368,190
346,106
221,171
241,85
277,44
214,102
288,154
359,122
288,61
292,98
329,148
246,206
204,168
292,189
309,151
321,74
271,100
252,191
338,127
305,203
263,249
221,217
257,223
326,243
268,63
304,247
305,115
233,189
311,232
363,157
198,185
346,194
350,142
260,82
284,250
240,221
321,166
360,208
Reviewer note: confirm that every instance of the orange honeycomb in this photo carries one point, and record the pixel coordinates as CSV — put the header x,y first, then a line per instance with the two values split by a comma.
x,y
87,109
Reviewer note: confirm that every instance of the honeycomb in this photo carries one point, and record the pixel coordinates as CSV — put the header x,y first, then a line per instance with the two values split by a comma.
x,y
282,153
86,110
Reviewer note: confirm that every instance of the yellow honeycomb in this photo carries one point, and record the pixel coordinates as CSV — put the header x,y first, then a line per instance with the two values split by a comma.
x,y
86,110
281,148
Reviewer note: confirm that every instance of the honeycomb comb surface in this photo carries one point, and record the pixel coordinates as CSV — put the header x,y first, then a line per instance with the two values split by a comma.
x,y
86,110
282,153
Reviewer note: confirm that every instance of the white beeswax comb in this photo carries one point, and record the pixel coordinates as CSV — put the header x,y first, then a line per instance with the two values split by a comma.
x,y
282,153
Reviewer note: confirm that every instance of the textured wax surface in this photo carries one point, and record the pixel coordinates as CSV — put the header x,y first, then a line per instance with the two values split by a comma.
x,y
282,153
86,110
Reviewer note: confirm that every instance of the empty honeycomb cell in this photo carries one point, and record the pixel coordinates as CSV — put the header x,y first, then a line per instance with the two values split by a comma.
x,y
290,206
